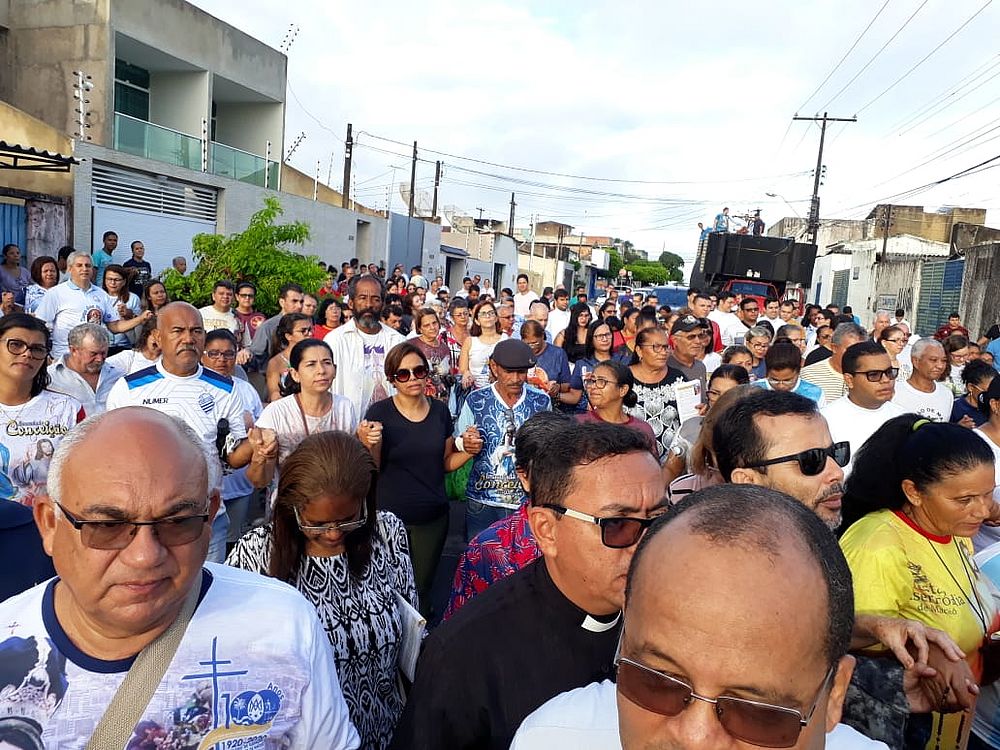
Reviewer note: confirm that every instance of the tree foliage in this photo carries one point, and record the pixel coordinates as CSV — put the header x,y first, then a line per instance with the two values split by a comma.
x,y
257,254
649,272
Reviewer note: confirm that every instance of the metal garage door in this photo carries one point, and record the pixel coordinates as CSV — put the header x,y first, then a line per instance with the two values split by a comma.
x,y
164,213
940,293
841,282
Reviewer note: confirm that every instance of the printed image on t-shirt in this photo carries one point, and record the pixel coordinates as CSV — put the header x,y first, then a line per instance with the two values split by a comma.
x,y
374,369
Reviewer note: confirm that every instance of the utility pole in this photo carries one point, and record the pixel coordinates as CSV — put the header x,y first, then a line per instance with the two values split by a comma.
x,y
510,223
814,205
348,152
437,184
413,179
886,223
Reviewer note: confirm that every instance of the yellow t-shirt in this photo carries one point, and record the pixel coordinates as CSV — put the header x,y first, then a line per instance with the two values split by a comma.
x,y
901,571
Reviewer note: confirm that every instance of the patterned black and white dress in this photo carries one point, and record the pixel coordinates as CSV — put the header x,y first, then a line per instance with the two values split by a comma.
x,y
360,619
658,406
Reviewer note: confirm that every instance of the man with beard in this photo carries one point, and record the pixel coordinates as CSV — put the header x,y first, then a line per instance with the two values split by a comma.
x,y
360,345
207,401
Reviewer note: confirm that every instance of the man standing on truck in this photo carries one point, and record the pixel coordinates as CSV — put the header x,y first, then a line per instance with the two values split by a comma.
x,y
722,221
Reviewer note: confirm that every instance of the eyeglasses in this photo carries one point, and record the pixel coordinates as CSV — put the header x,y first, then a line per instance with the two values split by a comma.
x,y
751,309
18,347
402,375
602,335
217,354
246,296
107,535
617,532
658,348
873,376
776,382
761,724
899,341
486,314
595,382
813,461
343,526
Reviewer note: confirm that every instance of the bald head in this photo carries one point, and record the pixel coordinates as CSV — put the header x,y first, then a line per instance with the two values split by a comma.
x,y
181,335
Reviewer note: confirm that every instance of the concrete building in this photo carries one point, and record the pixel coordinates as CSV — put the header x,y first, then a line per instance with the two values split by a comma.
x,y
184,128
491,254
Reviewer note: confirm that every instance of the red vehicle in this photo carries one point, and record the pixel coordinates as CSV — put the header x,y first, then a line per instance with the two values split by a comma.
x,y
758,267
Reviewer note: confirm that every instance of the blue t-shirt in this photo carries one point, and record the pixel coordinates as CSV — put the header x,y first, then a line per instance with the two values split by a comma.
x,y
492,480
101,260
802,388
961,409
555,363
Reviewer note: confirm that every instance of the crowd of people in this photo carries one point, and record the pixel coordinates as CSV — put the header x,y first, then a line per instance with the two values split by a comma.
x,y
733,524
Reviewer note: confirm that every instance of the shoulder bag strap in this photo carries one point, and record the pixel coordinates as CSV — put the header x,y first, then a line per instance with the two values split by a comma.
x,y
114,730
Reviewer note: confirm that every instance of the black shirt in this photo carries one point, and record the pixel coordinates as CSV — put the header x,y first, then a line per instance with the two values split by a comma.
x,y
23,562
818,355
504,654
411,474
143,273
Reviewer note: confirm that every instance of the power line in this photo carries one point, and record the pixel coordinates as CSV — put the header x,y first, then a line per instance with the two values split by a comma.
x,y
875,56
942,106
926,57
849,51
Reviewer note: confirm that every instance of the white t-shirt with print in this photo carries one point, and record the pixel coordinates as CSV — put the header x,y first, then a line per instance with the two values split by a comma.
x,y
212,320
29,434
935,406
284,417
66,306
242,677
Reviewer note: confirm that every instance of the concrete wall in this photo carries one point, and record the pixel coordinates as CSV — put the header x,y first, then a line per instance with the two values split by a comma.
x,y
249,126
179,100
821,289
180,29
936,226
19,127
505,254
541,271
830,232
964,236
47,41
980,306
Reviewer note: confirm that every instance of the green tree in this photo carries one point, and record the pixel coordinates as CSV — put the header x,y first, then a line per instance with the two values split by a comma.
x,y
648,272
615,263
257,254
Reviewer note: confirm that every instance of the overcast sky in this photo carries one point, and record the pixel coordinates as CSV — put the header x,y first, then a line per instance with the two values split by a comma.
x,y
697,97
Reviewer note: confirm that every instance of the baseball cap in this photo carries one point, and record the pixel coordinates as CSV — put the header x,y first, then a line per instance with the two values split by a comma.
x,y
444,289
513,354
685,324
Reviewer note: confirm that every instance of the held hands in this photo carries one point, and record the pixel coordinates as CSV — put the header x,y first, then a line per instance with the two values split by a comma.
x,y
243,356
264,442
468,380
472,441
146,315
910,640
370,433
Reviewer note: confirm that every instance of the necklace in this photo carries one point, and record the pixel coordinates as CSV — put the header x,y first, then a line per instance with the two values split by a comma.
x,y
302,413
978,609
13,417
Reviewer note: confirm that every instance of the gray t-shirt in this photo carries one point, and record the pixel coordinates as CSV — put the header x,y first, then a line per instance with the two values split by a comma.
x,y
696,371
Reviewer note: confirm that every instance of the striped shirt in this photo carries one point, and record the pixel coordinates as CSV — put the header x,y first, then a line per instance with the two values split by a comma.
x,y
829,380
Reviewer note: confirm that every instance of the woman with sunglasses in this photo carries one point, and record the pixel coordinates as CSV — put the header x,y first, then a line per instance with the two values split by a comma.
x,y
409,436
292,328
350,561
573,340
427,326
977,377
33,419
308,408
918,492
127,303
610,390
474,361
654,386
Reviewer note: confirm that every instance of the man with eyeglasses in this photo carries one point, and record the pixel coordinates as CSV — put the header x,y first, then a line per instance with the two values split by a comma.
x,y
249,319
679,684
828,374
870,379
923,393
687,349
179,386
129,549
783,363
553,625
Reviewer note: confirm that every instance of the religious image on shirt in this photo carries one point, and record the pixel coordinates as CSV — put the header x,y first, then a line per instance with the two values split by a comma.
x,y
29,438
34,683
93,315
374,369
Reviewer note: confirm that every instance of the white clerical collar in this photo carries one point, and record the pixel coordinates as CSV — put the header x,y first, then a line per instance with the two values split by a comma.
x,y
596,626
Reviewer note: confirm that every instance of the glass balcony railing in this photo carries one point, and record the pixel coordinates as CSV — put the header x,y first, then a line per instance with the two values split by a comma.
x,y
227,161
141,138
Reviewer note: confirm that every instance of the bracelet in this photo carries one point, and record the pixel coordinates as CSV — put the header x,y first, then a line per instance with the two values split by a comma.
x,y
460,444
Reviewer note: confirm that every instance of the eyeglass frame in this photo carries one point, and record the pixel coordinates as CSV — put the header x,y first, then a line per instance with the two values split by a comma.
x,y
410,373
79,523
889,373
602,521
804,719
797,457
591,381
344,527
218,354
30,348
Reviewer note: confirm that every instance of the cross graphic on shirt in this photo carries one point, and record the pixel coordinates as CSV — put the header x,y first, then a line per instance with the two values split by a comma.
x,y
215,674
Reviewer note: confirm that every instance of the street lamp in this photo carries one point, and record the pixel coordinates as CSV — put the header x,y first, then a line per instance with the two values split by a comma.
x,y
785,201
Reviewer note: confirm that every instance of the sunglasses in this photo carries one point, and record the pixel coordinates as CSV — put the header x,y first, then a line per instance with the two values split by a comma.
x,y
873,376
754,722
813,461
342,526
617,532
108,535
403,375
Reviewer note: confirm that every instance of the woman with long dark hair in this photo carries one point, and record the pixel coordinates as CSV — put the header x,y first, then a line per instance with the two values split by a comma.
x,y
327,539
115,283
917,493
573,339
330,316
598,347
484,334
292,328
29,413
154,296
14,277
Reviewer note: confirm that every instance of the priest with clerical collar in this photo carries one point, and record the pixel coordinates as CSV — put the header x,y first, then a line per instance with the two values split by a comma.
x,y
553,625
